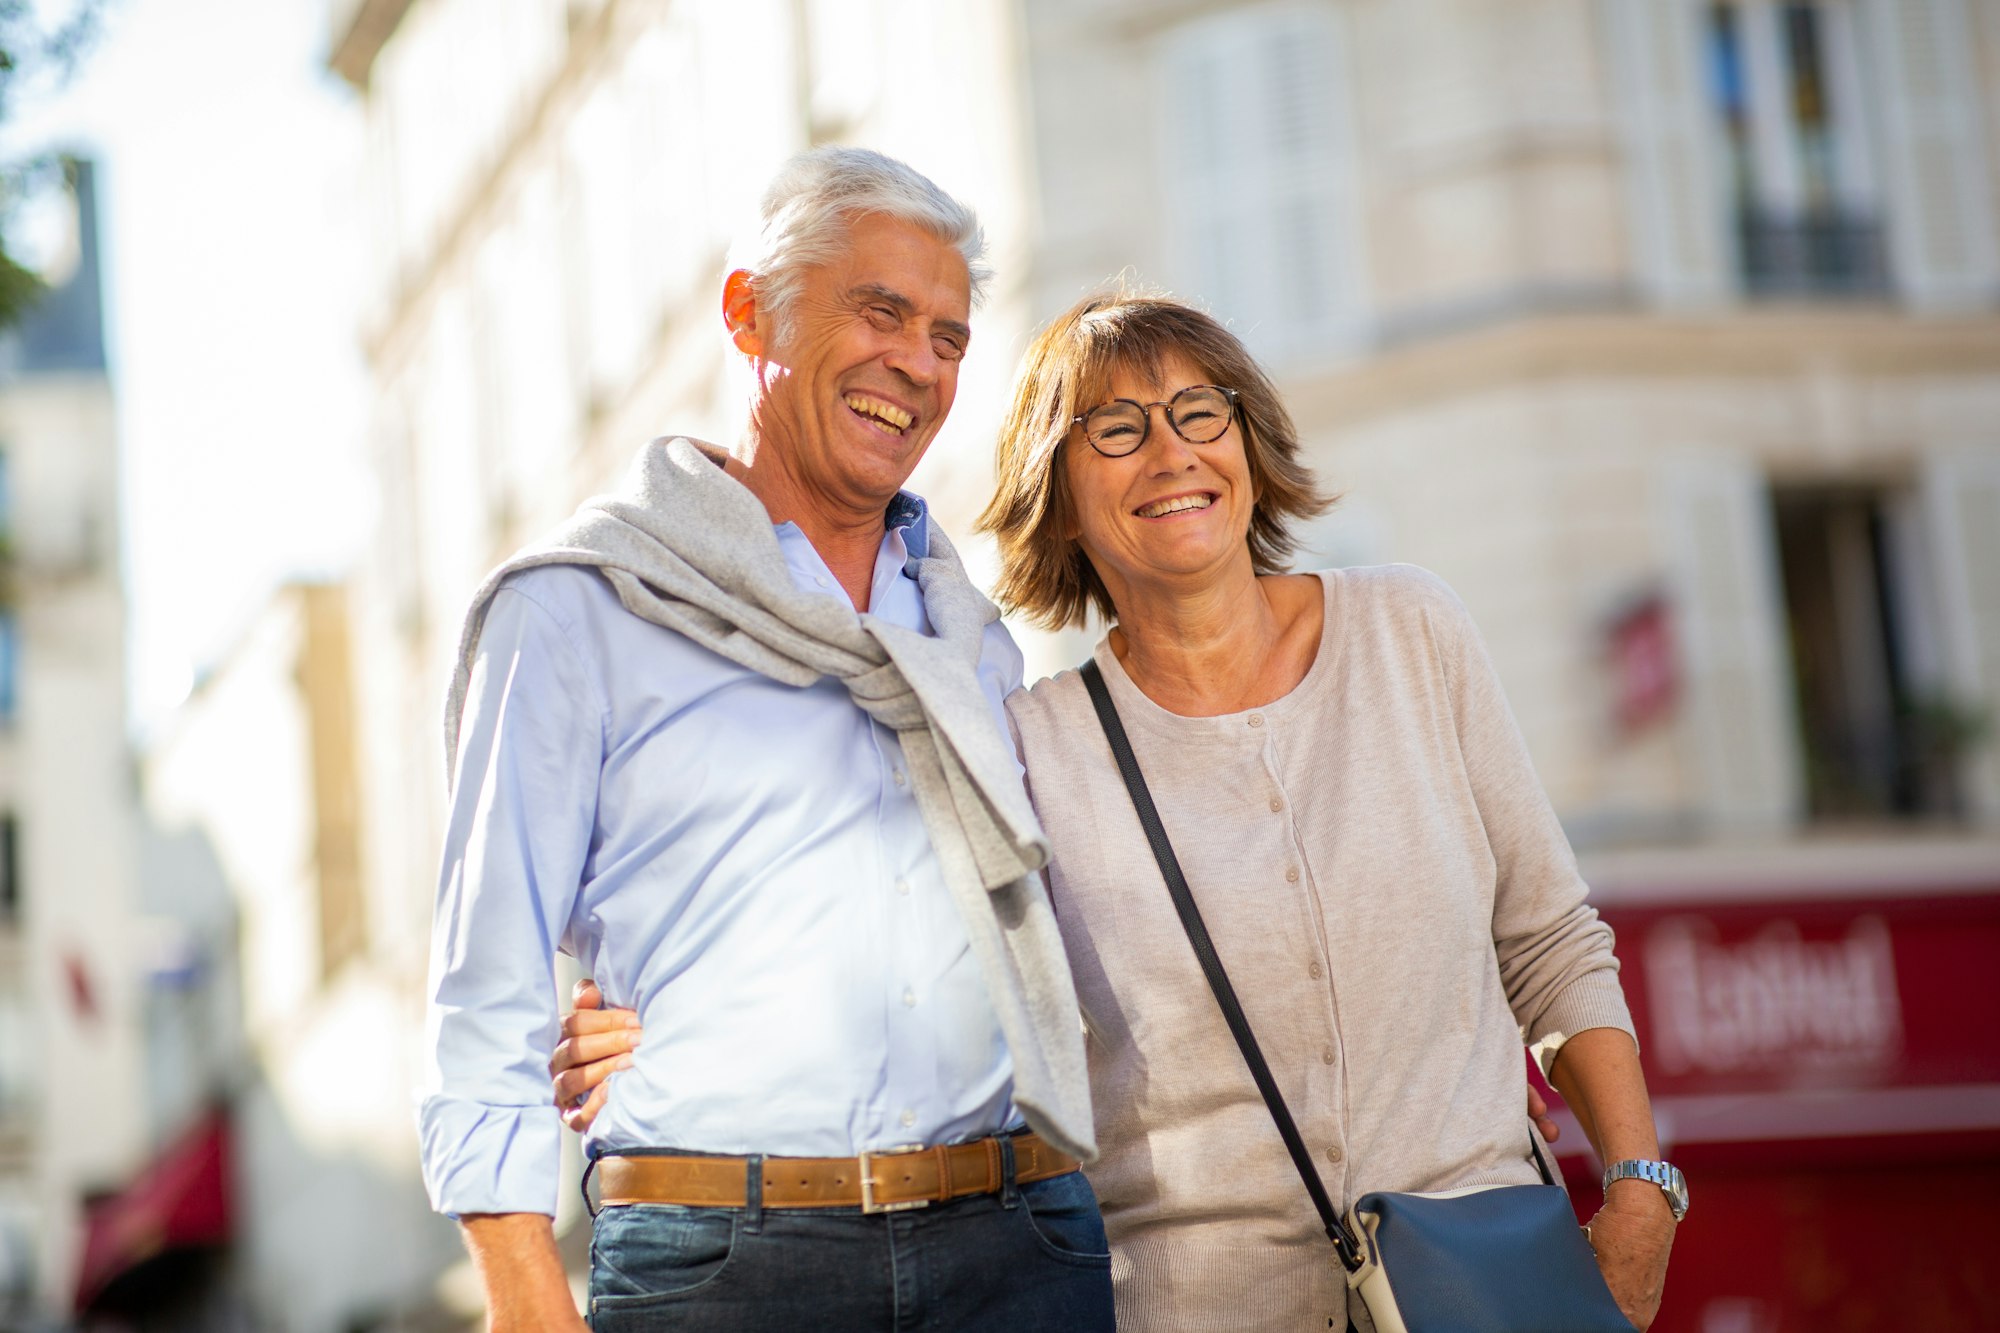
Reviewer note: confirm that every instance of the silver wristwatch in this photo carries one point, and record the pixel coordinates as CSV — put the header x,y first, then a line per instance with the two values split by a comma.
x,y
1664,1174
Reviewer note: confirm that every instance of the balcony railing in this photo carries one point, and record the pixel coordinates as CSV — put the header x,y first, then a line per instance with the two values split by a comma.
x,y
1817,255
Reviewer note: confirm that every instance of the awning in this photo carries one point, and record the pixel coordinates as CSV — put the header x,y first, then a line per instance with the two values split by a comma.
x,y
180,1201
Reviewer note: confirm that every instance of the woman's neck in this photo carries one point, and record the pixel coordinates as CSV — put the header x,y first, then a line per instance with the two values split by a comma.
x,y
1223,647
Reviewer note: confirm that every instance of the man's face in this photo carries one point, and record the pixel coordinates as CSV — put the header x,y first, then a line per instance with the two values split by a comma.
x,y
854,393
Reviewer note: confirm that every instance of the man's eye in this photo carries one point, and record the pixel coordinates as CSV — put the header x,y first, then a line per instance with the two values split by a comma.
x,y
882,317
947,349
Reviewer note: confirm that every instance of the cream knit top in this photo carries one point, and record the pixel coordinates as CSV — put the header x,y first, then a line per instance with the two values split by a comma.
x,y
1398,909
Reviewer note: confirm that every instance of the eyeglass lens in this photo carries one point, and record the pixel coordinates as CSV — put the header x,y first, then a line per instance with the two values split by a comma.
x,y
1198,414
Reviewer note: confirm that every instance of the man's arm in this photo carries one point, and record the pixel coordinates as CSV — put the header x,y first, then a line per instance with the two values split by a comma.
x,y
522,812
526,1289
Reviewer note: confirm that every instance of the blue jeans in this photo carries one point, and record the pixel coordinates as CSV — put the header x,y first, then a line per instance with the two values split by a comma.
x,y
1031,1257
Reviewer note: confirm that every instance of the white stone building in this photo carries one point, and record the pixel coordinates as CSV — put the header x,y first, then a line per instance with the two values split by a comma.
x,y
1668,332
1590,302
73,1118
251,790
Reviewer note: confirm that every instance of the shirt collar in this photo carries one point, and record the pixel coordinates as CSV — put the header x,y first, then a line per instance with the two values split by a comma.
x,y
907,518
909,515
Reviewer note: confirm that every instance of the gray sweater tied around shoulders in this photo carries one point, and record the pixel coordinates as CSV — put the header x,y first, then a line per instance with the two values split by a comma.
x,y
689,548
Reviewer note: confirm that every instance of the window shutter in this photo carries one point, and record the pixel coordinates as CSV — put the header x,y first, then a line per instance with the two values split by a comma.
x,y
1941,211
1729,626
1257,176
1961,497
1682,241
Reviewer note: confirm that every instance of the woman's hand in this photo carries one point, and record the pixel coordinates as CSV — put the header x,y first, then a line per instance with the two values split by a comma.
x,y
1597,1072
1538,1111
1633,1235
596,1043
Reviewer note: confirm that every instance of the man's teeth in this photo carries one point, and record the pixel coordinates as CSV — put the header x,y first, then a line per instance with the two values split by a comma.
x,y
1161,508
886,413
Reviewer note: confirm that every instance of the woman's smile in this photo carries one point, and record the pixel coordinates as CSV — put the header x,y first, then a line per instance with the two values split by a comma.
x,y
1187,502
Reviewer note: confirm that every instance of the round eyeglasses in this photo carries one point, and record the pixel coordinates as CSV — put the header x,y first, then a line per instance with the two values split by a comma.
x,y
1198,414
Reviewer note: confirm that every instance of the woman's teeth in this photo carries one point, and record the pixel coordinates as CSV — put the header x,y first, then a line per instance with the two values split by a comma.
x,y
874,408
1161,508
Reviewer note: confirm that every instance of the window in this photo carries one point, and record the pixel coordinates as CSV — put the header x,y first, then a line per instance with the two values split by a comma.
x,y
1784,81
1881,737
10,871
1256,175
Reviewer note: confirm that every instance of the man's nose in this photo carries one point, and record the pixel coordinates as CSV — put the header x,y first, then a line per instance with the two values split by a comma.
x,y
914,356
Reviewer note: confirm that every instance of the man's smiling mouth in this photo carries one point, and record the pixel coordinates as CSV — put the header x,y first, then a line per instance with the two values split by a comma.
x,y
886,415
1174,505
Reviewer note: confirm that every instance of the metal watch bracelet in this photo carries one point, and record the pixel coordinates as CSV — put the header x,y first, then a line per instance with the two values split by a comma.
x,y
1664,1174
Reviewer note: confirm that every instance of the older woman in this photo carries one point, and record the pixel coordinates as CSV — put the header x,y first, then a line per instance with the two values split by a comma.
x,y
1355,811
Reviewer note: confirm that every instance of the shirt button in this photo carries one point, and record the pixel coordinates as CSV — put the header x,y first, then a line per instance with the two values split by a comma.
x,y
910,1118
903,887
820,579
1256,719
900,779
909,998
1326,1056
1333,1153
1315,970
1276,805
1292,875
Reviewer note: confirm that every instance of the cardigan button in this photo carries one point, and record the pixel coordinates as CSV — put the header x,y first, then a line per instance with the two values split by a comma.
x,y
1256,719
1333,1153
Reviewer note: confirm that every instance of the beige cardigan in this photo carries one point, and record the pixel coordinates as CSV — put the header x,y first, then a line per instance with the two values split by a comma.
x,y
1397,907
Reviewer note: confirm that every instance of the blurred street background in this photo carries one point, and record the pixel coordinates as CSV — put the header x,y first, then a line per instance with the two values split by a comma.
x,y
1667,331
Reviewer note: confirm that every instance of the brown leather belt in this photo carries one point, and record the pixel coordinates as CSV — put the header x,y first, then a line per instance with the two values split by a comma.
x,y
880,1182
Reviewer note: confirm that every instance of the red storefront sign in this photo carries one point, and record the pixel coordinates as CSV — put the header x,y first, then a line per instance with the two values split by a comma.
x,y
1828,1074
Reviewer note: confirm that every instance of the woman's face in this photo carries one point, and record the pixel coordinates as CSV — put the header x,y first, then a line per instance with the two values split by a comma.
x,y
1169,512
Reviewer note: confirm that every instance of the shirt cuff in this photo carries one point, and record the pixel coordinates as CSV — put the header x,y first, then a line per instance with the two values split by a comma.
x,y
490,1159
1595,1000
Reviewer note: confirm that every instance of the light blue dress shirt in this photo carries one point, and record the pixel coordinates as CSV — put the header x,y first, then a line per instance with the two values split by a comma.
x,y
741,861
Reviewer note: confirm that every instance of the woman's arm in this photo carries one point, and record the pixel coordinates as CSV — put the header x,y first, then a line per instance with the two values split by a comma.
x,y
1597,1072
1556,963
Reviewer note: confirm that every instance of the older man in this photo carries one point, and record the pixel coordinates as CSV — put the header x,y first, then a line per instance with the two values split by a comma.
x,y
734,738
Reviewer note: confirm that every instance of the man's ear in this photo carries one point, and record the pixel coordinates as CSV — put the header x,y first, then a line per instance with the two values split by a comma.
x,y
739,313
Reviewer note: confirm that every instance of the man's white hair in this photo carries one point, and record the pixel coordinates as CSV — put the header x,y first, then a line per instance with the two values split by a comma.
x,y
809,208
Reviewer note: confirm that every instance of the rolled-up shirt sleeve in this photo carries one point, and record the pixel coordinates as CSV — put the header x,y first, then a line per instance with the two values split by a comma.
x,y
1555,954
522,810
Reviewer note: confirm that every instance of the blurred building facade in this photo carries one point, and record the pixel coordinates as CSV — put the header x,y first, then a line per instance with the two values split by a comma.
x,y
267,857
73,1120
1668,332
1644,323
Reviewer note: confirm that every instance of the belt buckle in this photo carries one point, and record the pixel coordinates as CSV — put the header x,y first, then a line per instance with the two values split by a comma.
x,y
867,1160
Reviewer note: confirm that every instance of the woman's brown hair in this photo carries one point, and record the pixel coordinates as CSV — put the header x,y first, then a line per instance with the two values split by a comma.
x,y
1066,371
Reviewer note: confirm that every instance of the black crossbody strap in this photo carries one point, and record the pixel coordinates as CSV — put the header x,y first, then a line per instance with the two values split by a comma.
x,y
1204,952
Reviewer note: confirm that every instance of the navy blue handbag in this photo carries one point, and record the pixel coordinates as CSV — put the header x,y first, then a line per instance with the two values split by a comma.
x,y
1488,1259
